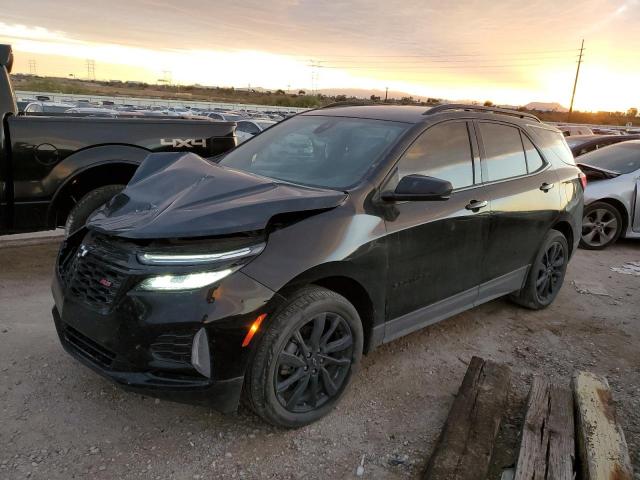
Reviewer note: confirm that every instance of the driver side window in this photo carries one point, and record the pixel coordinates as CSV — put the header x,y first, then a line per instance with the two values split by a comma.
x,y
444,152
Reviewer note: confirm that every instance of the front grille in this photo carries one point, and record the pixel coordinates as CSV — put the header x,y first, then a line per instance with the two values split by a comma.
x,y
88,348
173,348
95,282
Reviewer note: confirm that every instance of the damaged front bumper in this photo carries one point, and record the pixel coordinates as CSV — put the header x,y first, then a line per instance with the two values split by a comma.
x,y
144,340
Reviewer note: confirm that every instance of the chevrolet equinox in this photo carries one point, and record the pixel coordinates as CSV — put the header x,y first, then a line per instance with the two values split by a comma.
x,y
267,273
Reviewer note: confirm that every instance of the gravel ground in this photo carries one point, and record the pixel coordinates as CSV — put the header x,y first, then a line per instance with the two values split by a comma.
x,y
58,420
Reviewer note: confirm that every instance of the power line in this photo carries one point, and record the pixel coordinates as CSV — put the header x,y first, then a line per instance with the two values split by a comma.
x,y
447,55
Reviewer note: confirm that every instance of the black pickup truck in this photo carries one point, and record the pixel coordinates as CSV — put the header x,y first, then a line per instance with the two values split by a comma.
x,y
56,170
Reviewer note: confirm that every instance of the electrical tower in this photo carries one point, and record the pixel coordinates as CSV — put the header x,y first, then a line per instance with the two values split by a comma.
x,y
314,75
33,70
166,77
91,69
575,83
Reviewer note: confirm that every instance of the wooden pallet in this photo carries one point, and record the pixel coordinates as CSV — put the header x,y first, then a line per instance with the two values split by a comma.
x,y
552,446
465,446
547,448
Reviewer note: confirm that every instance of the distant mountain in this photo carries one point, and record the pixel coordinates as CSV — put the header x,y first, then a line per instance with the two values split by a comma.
x,y
366,93
546,107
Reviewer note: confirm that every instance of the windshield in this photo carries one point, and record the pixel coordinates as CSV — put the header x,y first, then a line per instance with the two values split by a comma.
x,y
621,158
333,152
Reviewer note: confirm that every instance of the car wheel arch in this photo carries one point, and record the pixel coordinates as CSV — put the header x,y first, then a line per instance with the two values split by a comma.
x,y
86,180
347,285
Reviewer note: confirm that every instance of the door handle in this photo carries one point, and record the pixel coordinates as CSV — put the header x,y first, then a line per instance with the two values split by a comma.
x,y
476,205
545,187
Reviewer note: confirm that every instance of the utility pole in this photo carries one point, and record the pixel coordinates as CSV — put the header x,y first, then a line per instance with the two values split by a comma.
x,y
575,83
386,94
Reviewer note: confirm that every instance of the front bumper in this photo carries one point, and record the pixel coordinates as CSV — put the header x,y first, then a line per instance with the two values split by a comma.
x,y
143,340
222,395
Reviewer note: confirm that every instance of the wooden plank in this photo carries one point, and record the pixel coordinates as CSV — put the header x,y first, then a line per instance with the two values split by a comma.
x,y
547,448
464,449
601,444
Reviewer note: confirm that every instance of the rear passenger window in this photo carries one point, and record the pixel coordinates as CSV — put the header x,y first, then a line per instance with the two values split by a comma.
x,y
534,160
442,152
503,150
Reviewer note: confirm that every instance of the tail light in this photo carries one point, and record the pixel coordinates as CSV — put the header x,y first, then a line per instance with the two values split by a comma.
x,y
583,180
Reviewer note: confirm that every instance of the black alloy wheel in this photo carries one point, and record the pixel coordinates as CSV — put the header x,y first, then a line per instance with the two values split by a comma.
x,y
546,274
305,358
314,363
550,271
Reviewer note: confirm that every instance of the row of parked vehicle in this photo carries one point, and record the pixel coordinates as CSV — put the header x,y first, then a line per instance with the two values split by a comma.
x,y
249,122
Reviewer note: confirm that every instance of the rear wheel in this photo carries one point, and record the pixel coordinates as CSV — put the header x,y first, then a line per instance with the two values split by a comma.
x,y
546,274
87,205
601,226
305,360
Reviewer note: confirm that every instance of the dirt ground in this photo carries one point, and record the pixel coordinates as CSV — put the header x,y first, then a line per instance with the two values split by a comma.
x,y
59,420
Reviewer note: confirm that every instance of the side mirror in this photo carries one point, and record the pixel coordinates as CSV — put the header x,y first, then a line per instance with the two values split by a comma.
x,y
419,188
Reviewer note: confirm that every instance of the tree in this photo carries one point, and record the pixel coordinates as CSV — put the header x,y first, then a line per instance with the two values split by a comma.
x,y
488,103
632,112
341,98
375,98
280,92
301,92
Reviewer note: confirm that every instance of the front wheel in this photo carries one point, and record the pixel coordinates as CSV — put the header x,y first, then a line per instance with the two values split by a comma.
x,y
546,274
306,358
87,205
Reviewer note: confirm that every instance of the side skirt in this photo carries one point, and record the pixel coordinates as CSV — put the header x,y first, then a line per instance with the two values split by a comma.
x,y
451,306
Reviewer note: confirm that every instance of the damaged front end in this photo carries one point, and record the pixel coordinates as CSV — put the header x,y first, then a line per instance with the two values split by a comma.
x,y
151,293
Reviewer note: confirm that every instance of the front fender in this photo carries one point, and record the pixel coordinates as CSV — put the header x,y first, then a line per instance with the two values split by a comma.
x,y
83,160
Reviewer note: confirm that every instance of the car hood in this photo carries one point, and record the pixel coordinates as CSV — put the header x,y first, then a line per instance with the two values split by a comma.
x,y
178,195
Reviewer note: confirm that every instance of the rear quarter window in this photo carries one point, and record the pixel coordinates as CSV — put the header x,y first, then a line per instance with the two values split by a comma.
x,y
553,144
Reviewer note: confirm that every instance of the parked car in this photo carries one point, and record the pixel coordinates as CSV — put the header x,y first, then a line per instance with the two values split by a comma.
x,y
248,128
581,144
612,197
47,107
224,116
571,130
56,169
325,236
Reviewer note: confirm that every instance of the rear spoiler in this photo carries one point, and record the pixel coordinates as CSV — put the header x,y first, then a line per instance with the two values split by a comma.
x,y
6,57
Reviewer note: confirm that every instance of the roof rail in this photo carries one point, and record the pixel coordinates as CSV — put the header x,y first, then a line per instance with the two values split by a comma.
x,y
478,108
349,103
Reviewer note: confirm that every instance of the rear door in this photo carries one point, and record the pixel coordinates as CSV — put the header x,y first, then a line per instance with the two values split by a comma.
x,y
436,247
525,201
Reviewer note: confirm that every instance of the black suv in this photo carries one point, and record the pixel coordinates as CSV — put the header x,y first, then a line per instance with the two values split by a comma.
x,y
272,271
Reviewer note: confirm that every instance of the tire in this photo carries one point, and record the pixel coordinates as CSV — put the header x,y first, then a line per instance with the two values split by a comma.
x,y
601,226
280,358
87,205
546,274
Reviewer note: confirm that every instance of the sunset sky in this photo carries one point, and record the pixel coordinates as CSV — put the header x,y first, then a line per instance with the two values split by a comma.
x,y
506,51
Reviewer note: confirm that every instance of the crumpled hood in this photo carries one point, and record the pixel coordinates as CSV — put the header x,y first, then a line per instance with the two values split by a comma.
x,y
176,195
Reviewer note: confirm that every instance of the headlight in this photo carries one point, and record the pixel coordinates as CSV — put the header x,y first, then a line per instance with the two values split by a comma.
x,y
198,258
184,282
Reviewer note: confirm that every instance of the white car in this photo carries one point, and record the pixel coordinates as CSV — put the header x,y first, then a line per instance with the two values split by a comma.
x,y
612,196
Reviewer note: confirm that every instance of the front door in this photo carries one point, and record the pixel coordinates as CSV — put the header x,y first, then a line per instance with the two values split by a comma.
x,y
436,247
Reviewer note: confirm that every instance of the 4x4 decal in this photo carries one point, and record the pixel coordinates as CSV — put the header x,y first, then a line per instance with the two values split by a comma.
x,y
184,142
